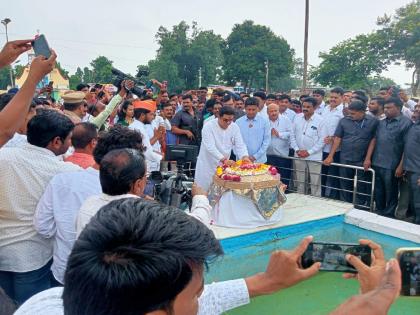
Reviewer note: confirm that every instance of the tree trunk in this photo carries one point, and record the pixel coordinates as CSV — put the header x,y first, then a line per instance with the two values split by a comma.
x,y
415,82
305,47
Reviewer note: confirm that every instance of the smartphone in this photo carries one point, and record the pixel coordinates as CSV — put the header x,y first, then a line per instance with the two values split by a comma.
x,y
409,260
332,256
41,47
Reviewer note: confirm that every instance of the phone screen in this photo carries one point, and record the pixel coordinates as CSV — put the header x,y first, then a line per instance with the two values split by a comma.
x,y
332,256
41,47
410,269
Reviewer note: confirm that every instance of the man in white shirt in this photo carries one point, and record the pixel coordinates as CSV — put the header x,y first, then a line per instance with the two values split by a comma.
x,y
285,103
261,97
144,114
157,252
25,257
57,208
278,150
331,116
319,95
219,137
307,140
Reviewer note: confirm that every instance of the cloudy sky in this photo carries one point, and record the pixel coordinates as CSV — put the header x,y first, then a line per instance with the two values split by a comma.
x,y
124,30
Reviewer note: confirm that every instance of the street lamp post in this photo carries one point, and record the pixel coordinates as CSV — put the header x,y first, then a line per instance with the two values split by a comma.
x,y
266,76
5,22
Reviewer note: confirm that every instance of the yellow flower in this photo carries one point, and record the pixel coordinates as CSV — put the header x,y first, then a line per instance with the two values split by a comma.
x,y
219,171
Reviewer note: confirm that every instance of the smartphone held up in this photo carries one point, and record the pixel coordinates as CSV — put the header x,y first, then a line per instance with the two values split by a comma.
x,y
41,47
409,260
332,256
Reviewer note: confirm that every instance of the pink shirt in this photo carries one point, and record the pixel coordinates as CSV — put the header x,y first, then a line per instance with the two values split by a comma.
x,y
82,159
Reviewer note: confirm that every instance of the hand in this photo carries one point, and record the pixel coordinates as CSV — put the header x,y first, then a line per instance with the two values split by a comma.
x,y
246,160
275,133
302,153
12,50
328,140
328,160
378,301
40,67
399,172
229,162
197,191
369,277
126,85
252,159
283,271
189,134
367,164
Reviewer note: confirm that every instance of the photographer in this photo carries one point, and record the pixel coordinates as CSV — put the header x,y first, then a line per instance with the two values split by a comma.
x,y
11,117
185,123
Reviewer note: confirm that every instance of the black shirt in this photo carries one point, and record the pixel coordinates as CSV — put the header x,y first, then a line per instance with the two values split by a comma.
x,y
355,137
390,136
185,121
411,162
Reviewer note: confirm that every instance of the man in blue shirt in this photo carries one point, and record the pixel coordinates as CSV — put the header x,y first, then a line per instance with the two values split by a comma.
x,y
255,131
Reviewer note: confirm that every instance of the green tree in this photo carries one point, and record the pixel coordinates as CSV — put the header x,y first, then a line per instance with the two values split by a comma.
x,y
248,47
63,71
375,83
76,78
350,63
88,75
402,31
4,78
101,70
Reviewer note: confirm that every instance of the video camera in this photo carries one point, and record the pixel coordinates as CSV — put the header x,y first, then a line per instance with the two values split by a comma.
x,y
138,89
174,188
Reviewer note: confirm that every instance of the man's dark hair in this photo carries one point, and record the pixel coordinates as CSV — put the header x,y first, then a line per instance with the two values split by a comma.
x,y
395,100
311,100
202,88
361,98
83,134
166,104
81,86
139,111
120,169
357,106
319,92
337,90
385,88
379,100
172,95
72,106
260,94
187,96
303,96
226,110
271,96
135,256
251,101
297,102
5,98
227,98
360,92
118,137
219,92
284,97
46,126
210,103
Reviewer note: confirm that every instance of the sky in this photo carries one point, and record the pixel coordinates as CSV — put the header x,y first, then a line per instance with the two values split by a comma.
x,y
124,30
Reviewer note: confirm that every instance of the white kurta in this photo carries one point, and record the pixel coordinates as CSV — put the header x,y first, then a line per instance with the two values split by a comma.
x,y
216,144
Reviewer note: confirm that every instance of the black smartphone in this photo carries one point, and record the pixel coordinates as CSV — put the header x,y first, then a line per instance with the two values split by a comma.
x,y
409,259
41,47
332,256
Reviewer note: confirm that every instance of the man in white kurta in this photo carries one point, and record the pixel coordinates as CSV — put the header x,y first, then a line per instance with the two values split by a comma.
x,y
219,137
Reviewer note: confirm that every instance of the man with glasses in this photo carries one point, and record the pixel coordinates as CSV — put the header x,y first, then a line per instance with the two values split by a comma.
x,y
220,137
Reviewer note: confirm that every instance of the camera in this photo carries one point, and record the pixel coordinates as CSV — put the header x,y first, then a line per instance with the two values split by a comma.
x,y
120,76
174,188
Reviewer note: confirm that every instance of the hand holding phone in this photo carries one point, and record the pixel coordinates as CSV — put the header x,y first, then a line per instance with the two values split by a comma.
x,y
41,47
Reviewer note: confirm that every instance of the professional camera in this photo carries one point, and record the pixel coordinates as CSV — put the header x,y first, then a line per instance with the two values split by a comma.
x,y
174,188
138,89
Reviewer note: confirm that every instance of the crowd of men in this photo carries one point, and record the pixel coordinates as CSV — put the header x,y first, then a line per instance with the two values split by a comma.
x,y
75,209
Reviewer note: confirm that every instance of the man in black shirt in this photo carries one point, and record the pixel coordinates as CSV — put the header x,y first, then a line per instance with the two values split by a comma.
x,y
387,156
185,123
411,165
354,133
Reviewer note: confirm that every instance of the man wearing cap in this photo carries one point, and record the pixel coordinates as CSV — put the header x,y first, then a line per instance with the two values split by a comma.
x,y
75,106
144,113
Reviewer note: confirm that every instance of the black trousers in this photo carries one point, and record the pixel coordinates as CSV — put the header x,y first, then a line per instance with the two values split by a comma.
x,y
347,183
386,191
283,166
330,181
415,194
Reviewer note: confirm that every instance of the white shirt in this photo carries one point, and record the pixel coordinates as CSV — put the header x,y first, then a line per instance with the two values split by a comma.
x,y
280,145
406,112
216,144
331,118
216,299
152,158
57,209
309,135
200,208
320,108
263,111
17,141
290,114
25,172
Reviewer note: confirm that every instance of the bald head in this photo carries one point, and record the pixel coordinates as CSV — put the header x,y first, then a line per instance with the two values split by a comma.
x,y
83,135
273,111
